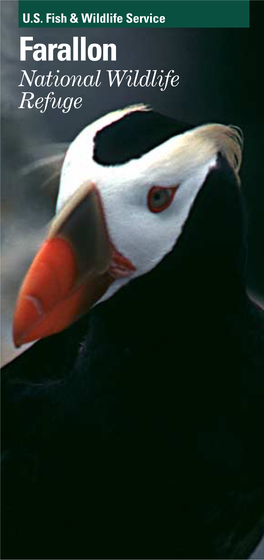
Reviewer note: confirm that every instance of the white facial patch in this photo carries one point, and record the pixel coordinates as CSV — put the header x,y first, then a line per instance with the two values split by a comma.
x,y
141,235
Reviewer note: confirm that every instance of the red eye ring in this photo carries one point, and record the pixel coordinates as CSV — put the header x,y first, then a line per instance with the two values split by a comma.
x,y
160,198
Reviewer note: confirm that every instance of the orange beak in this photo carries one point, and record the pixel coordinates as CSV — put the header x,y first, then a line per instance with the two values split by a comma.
x,y
72,270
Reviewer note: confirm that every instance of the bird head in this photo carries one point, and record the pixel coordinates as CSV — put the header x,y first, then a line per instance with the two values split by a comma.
x,y
127,185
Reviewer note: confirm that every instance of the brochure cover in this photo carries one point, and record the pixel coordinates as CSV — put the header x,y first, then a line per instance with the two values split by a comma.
x,y
132,279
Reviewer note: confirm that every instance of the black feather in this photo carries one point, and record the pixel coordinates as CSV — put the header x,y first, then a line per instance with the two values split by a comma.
x,y
133,135
136,432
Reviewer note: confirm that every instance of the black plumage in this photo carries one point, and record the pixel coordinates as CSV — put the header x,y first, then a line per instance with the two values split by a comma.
x,y
137,432
135,134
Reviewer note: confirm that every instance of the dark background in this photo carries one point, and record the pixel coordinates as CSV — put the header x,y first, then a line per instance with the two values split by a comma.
x,y
220,81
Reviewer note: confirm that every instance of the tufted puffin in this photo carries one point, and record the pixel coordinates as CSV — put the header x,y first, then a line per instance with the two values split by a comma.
x,y
133,427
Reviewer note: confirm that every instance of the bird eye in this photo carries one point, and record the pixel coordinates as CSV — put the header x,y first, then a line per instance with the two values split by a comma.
x,y
159,198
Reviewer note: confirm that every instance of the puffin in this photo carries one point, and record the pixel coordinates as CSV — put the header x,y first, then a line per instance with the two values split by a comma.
x,y
132,427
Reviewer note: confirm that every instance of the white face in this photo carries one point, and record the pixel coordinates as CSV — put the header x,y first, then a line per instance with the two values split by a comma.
x,y
137,230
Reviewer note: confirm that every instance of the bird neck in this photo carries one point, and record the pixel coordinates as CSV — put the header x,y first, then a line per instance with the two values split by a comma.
x,y
175,301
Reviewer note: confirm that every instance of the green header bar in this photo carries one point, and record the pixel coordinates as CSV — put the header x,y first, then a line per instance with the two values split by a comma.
x,y
127,13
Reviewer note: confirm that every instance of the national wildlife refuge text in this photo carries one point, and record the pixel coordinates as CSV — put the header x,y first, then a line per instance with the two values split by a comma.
x,y
79,50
